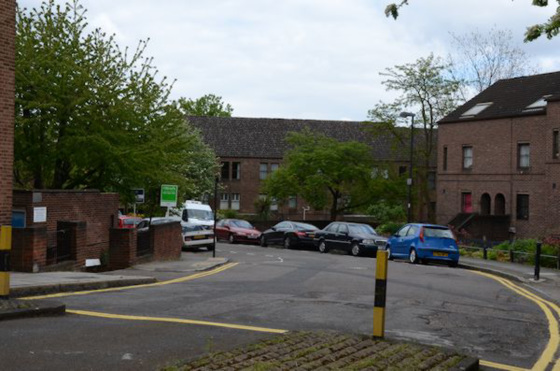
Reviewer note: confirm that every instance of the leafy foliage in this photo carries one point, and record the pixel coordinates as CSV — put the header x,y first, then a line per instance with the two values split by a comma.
x,y
326,173
425,88
207,105
89,115
550,28
383,212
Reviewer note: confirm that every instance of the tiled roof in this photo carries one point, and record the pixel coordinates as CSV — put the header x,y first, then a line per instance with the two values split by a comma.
x,y
510,98
264,137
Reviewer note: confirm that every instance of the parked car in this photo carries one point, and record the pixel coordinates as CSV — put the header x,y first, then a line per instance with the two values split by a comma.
x,y
356,238
289,234
424,242
126,221
237,230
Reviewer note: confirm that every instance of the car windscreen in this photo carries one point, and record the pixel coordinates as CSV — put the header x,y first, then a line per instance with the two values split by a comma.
x,y
200,214
305,226
361,229
241,224
131,221
438,232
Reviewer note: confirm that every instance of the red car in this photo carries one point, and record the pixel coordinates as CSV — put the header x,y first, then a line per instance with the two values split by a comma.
x,y
128,221
237,230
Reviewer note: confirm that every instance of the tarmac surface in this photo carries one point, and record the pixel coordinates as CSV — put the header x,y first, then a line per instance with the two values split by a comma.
x,y
32,284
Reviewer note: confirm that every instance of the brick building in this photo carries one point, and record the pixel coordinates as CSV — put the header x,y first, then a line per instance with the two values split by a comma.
x,y
7,104
499,159
252,148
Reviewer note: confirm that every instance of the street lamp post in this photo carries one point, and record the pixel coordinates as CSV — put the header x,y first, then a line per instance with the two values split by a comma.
x,y
409,180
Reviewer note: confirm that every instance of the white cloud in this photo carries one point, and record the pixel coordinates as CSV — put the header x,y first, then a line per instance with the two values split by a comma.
x,y
316,59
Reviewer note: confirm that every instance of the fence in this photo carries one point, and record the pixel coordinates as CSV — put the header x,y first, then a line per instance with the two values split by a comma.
x,y
485,249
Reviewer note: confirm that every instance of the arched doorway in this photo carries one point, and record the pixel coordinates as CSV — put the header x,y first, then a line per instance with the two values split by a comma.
x,y
500,204
485,204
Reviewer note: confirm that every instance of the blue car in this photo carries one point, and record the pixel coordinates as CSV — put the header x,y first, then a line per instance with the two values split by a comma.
x,y
424,242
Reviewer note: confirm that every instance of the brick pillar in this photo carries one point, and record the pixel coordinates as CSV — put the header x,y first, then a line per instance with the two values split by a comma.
x,y
29,249
122,247
167,241
7,106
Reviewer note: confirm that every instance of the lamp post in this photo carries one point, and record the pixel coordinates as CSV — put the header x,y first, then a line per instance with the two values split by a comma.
x,y
409,180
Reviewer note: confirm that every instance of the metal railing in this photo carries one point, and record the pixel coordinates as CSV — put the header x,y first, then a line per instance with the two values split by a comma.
x,y
514,256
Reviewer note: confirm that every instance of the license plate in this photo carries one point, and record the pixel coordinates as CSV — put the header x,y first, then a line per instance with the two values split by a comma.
x,y
252,237
311,235
199,237
441,254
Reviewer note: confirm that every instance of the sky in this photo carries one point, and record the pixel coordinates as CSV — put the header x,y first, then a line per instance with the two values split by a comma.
x,y
304,59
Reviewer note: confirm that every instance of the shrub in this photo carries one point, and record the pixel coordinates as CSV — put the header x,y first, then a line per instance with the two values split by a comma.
x,y
389,228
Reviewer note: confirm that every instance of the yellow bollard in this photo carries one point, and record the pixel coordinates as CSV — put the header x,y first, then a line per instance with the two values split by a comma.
x,y
5,247
380,294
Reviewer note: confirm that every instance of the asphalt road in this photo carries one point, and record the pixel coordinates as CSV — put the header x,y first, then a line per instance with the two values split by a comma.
x,y
280,289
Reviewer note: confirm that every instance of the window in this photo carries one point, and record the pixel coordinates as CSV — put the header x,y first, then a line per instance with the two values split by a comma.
x,y
476,110
402,232
273,167
343,228
467,157
523,155
413,231
224,201
466,202
263,171
539,105
332,227
273,204
235,201
225,170
522,207
236,170
445,158
292,202
431,180
555,144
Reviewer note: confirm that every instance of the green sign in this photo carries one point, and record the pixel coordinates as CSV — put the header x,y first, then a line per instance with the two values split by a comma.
x,y
168,195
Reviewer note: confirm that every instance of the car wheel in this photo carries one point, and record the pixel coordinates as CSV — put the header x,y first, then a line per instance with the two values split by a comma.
x,y
389,256
263,241
323,247
231,239
356,251
287,242
413,257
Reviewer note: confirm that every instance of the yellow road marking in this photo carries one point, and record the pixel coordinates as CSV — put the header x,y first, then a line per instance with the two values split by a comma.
x,y
499,366
176,320
176,280
547,355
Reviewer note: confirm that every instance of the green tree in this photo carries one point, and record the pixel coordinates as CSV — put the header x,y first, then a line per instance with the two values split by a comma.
x,y
426,90
207,105
89,115
326,173
549,28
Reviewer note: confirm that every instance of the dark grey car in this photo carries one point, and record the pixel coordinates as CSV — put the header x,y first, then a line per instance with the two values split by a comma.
x,y
355,238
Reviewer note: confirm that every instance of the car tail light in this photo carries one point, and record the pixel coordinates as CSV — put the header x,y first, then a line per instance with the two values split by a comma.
x,y
301,234
422,234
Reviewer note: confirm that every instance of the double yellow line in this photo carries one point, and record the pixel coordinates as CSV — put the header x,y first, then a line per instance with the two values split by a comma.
x,y
547,357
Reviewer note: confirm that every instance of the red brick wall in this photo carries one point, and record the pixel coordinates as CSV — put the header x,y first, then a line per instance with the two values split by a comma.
x,y
495,169
166,240
7,103
122,252
98,212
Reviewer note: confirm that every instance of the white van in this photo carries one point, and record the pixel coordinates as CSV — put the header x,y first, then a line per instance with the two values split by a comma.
x,y
197,221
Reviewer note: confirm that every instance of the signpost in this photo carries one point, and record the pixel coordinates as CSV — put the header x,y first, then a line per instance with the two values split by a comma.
x,y
139,196
168,196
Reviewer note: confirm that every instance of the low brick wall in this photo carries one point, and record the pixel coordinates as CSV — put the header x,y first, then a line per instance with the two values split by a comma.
x,y
167,241
122,250
29,248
